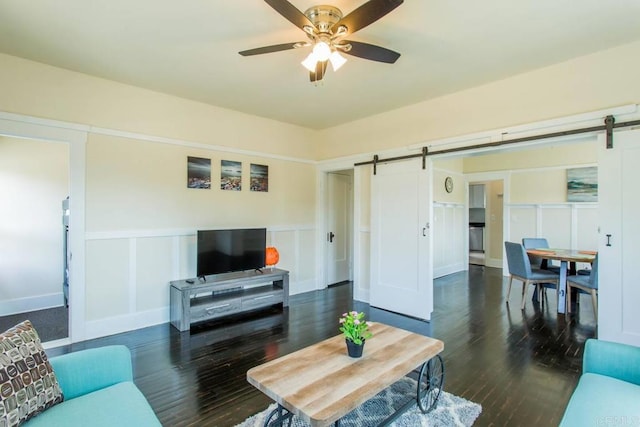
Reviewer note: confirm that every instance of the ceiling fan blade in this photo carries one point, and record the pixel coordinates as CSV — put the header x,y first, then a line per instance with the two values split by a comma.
x,y
270,49
321,68
366,14
291,13
371,52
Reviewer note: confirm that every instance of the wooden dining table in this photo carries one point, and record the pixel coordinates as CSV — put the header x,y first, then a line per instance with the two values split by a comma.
x,y
565,256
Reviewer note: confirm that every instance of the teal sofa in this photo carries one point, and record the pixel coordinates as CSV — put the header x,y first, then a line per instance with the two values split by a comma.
x,y
608,393
98,391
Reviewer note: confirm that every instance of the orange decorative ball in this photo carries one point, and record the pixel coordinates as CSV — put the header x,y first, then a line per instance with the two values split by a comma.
x,y
271,256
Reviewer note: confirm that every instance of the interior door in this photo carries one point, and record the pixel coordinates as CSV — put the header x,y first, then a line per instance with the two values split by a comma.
x,y
338,227
618,251
401,261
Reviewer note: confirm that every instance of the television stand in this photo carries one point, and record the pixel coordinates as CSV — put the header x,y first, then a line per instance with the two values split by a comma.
x,y
225,294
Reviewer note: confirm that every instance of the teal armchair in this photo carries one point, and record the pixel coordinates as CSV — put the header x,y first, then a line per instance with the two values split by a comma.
x,y
608,392
98,391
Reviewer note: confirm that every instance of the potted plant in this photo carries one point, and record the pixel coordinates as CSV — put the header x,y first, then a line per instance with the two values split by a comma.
x,y
356,331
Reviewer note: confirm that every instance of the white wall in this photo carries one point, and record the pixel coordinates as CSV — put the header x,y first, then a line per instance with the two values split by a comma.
x,y
107,108
560,90
450,224
140,217
536,200
34,179
142,220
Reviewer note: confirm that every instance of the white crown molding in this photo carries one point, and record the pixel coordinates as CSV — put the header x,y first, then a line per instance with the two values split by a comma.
x,y
78,127
191,144
591,118
176,232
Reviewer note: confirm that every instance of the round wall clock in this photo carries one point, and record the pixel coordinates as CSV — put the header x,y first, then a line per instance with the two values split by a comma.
x,y
448,184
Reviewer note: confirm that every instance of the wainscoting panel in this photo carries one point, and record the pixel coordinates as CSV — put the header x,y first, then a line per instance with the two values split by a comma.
x,y
555,225
107,278
305,279
522,222
153,266
128,272
587,228
570,225
362,279
186,256
449,228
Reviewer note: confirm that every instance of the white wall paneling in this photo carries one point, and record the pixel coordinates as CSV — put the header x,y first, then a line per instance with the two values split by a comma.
x,y
449,248
569,225
362,266
131,289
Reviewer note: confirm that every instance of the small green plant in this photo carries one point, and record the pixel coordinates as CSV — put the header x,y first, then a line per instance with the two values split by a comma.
x,y
354,327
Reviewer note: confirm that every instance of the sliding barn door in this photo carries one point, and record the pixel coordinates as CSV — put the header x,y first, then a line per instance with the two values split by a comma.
x,y
401,262
619,246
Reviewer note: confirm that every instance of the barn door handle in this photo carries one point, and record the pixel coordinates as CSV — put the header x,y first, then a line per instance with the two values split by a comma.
x,y
608,239
331,236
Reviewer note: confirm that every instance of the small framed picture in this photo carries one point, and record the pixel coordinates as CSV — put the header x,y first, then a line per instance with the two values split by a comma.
x,y
198,172
259,178
582,184
230,175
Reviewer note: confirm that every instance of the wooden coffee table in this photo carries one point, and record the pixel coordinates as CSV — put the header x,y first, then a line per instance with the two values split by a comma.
x,y
321,383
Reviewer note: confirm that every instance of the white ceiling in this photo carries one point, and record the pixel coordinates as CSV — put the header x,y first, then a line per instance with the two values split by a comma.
x,y
189,48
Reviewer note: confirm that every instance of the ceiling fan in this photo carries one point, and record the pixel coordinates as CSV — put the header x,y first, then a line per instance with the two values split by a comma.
x,y
326,27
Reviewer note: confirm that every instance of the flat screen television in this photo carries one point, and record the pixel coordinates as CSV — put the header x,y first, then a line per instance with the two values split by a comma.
x,y
224,251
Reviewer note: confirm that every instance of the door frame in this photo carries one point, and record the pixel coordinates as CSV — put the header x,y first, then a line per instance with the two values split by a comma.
x,y
350,227
484,178
20,126
321,221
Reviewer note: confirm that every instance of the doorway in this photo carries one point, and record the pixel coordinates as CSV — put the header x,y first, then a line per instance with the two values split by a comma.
x,y
486,222
339,229
75,138
34,184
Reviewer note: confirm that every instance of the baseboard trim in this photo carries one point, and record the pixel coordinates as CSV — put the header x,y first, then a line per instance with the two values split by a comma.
x,y
125,323
361,294
493,262
302,287
130,322
56,343
24,305
449,269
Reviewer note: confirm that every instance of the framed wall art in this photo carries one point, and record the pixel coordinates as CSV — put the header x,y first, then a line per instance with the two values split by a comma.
x,y
582,184
259,178
198,172
230,175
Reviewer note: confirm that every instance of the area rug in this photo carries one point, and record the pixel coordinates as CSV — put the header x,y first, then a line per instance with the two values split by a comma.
x,y
450,411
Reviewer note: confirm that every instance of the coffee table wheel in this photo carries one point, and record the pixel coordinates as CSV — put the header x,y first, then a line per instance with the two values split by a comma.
x,y
279,417
430,384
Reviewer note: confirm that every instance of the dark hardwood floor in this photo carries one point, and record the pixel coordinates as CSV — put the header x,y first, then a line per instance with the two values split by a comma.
x,y
521,366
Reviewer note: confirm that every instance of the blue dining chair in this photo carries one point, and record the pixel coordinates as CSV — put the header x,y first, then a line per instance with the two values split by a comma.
x,y
586,285
539,242
520,269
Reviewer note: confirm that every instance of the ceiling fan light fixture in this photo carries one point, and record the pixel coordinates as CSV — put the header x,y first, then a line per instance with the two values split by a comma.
x,y
337,60
310,62
322,51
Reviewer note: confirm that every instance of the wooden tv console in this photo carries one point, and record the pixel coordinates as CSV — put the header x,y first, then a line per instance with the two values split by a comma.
x,y
226,294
